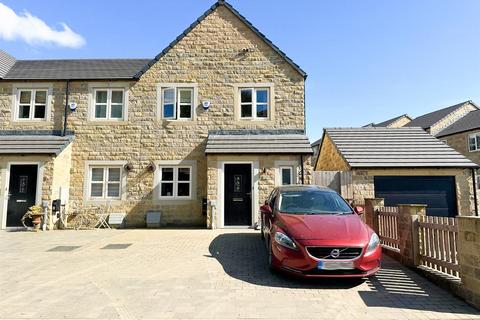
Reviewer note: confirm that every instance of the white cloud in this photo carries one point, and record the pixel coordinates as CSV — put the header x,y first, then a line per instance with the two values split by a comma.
x,y
35,31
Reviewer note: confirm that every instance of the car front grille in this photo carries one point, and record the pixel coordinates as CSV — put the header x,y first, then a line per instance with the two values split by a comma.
x,y
344,253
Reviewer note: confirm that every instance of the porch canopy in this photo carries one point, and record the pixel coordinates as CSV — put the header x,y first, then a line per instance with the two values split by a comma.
x,y
33,144
260,142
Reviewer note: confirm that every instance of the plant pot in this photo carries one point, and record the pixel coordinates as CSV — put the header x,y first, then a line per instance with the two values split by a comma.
x,y
36,221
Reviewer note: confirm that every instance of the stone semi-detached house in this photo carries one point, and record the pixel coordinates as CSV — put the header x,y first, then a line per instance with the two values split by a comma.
x,y
218,115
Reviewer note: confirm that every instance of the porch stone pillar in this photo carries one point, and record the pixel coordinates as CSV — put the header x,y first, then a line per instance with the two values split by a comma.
x,y
469,257
409,243
371,217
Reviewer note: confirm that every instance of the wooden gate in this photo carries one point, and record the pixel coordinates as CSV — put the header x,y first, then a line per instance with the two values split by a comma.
x,y
340,181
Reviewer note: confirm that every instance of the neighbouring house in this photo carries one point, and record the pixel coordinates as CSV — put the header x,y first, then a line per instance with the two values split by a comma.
x,y
401,165
200,133
436,121
396,122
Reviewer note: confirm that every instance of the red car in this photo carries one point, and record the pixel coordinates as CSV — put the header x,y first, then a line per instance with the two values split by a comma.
x,y
312,231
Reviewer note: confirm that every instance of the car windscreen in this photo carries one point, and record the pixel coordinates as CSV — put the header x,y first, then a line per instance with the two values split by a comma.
x,y
313,202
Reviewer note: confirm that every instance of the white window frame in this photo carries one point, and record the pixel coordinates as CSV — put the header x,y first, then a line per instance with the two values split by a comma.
x,y
293,164
477,145
32,87
157,179
87,199
291,168
192,87
108,104
93,86
105,182
254,103
175,182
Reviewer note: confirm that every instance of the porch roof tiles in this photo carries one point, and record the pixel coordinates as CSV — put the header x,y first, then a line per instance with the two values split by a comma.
x,y
33,144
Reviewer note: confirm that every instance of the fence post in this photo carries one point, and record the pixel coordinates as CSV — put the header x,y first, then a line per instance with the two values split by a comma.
x,y
409,243
371,216
469,257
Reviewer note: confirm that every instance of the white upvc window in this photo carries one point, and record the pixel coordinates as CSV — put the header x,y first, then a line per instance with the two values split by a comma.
x,y
32,104
254,103
175,182
286,175
474,142
177,103
105,182
109,104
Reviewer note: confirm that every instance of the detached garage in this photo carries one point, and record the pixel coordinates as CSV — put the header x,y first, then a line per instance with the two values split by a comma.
x,y
401,165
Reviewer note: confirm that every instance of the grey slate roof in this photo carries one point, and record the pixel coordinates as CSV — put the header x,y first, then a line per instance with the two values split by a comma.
x,y
75,69
258,143
33,144
394,148
388,122
239,16
6,62
427,120
470,121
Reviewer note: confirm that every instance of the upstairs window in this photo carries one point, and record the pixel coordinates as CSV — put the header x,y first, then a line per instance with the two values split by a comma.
x,y
177,103
109,104
32,104
474,142
254,103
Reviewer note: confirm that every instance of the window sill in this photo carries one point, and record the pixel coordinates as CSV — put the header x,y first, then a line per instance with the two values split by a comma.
x,y
179,122
22,122
108,122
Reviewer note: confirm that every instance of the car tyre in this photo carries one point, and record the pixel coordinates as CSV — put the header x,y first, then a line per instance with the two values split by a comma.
x,y
271,266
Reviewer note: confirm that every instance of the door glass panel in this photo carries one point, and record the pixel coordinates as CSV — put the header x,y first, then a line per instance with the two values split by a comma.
x,y
22,184
237,183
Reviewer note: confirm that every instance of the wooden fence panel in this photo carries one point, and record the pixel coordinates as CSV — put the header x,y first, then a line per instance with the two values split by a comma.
x,y
438,244
388,227
340,181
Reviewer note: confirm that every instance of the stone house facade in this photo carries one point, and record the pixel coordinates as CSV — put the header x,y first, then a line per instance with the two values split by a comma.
x,y
140,129
402,165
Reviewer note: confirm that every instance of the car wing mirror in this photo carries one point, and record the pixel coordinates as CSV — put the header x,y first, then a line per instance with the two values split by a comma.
x,y
358,210
266,208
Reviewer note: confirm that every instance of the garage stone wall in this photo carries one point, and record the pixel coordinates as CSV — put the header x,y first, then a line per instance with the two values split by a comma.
x,y
400,122
363,184
330,158
451,118
265,178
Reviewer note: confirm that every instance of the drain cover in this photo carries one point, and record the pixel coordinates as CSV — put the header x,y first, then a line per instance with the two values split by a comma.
x,y
117,246
64,248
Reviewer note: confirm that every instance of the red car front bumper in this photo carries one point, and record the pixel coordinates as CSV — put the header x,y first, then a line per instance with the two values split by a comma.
x,y
300,263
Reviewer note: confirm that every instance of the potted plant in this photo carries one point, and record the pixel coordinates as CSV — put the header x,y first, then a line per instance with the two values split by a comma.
x,y
35,214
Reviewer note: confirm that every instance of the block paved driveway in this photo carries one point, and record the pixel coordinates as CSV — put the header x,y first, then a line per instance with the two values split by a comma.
x,y
186,274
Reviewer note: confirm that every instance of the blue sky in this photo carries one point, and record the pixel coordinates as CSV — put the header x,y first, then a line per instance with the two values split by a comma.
x,y
366,60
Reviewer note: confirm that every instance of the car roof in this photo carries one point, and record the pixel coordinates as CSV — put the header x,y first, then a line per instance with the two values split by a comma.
x,y
303,187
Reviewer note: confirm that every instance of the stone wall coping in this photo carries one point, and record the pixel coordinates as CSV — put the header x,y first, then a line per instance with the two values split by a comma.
x,y
469,217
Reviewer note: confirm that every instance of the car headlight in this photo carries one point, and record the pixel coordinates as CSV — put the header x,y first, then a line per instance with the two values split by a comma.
x,y
374,242
284,240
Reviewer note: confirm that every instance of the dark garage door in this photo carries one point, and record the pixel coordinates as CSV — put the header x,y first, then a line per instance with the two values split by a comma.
x,y
438,193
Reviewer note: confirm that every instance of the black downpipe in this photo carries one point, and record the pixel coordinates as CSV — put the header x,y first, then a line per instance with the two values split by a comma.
x,y
475,191
301,168
66,109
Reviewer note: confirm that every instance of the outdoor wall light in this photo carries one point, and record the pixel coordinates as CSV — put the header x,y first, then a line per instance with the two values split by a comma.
x,y
151,167
128,167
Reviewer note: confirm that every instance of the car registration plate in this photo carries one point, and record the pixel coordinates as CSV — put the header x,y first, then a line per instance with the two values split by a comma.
x,y
335,265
